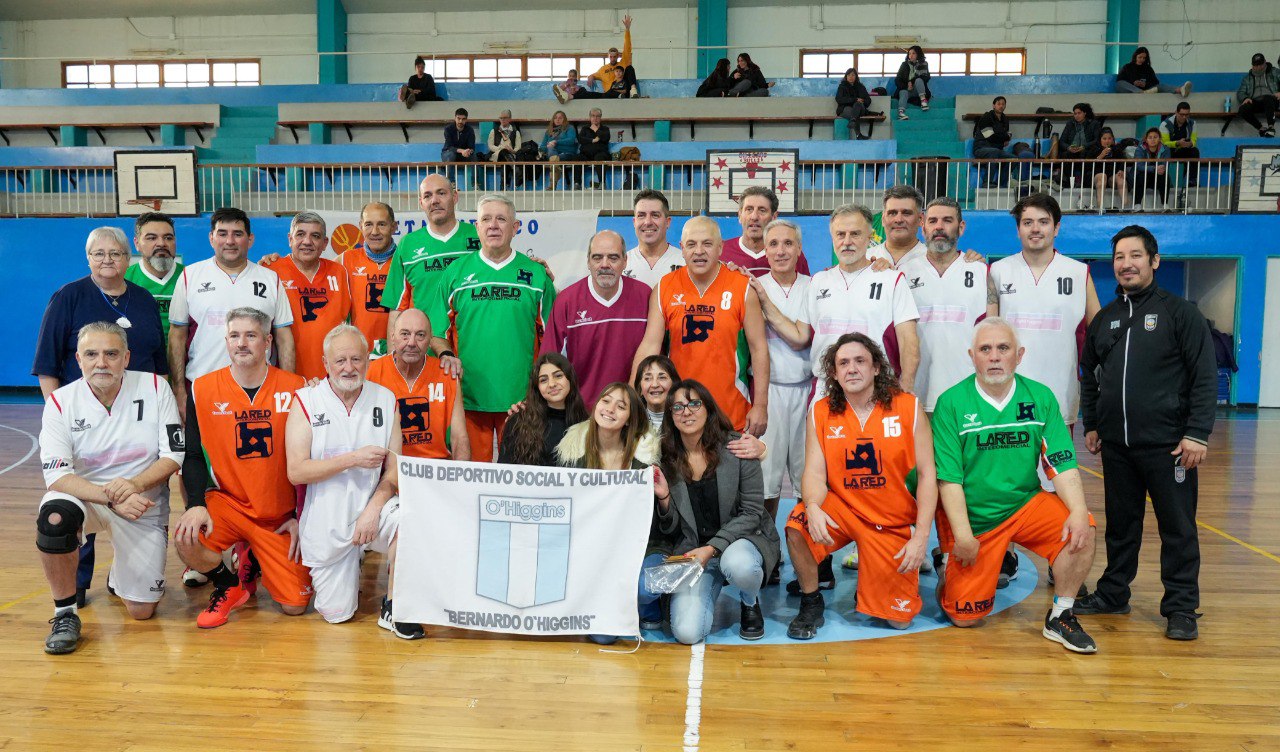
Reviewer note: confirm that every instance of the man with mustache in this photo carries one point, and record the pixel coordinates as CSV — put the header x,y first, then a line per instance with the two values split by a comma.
x,y
598,322
428,399
319,295
653,257
757,207
342,438
106,470
158,270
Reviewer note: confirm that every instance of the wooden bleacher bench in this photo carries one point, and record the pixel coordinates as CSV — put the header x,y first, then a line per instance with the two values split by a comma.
x,y
749,110
101,118
1064,116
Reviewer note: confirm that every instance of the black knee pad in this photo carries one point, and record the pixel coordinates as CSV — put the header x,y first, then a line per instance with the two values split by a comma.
x,y
62,537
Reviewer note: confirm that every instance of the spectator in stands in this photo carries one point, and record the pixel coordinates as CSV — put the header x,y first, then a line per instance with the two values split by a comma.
x,y
912,81
719,82
1150,168
1257,95
852,101
1081,131
559,142
748,80
1138,77
991,140
459,139
593,145
1178,133
569,89
421,86
504,142
1106,169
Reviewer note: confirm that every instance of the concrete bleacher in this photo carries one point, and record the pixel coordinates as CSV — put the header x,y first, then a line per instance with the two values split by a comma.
x,y
1126,114
111,124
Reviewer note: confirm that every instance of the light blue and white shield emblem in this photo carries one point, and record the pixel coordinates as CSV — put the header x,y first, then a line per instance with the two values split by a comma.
x,y
523,552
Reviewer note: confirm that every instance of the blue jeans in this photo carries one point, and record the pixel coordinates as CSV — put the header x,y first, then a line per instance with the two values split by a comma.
x,y
1016,150
905,94
693,607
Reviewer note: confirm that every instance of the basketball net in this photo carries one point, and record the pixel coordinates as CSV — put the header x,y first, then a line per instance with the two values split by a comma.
x,y
154,203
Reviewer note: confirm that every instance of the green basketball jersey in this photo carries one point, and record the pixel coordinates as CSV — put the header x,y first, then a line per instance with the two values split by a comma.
x,y
160,289
494,318
993,449
419,263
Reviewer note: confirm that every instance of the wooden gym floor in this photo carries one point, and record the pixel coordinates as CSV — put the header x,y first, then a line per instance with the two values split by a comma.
x,y
269,682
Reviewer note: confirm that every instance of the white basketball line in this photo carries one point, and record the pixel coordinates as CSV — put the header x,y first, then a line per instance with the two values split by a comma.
x,y
693,703
35,443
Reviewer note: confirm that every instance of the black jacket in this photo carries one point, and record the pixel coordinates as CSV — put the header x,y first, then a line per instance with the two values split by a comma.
x,y
1092,132
848,93
752,74
1133,73
589,147
1150,377
903,79
425,88
999,125
715,85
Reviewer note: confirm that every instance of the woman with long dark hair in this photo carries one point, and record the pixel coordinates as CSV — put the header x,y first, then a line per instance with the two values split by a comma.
x,y
912,81
748,80
551,405
719,82
716,513
1150,169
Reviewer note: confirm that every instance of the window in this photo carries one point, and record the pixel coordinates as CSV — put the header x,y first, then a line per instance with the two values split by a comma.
x,y
947,62
547,66
155,74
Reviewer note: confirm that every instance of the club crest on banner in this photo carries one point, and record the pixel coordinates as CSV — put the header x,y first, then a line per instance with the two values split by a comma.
x,y
730,172
524,550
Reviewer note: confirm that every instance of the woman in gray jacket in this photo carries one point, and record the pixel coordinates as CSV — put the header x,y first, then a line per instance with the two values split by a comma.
x,y
715,511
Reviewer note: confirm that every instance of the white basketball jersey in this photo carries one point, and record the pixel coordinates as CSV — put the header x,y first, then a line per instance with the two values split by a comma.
x,y
880,251
949,304
1049,315
203,297
79,436
787,365
331,507
864,301
638,267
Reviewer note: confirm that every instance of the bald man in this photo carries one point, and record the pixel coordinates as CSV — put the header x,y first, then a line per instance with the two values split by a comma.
x,y
704,307
432,422
599,321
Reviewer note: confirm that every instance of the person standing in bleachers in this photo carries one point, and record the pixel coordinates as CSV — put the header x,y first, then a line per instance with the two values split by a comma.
x,y
852,101
1257,95
459,139
1138,77
421,86
719,82
912,81
748,80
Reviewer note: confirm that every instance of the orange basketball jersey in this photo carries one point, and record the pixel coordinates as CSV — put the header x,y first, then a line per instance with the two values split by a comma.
x,y
707,342
243,440
319,304
871,468
425,406
367,281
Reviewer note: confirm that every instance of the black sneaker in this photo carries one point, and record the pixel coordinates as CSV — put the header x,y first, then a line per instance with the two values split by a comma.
x,y
826,578
403,630
65,636
775,577
1066,630
811,616
939,563
1182,626
752,626
1092,603
1008,570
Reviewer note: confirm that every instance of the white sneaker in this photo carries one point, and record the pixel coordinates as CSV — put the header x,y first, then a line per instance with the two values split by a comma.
x,y
924,105
902,115
851,561
192,578
560,95
1185,90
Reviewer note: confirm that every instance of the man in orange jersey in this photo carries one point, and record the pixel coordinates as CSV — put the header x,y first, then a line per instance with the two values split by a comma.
x,y
868,478
236,476
318,291
430,411
706,308
367,269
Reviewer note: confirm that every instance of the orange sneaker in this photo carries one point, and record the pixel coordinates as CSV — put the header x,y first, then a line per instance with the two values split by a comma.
x,y
221,604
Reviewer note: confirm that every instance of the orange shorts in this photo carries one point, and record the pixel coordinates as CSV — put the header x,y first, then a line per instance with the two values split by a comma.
x,y
883,591
484,431
289,581
969,592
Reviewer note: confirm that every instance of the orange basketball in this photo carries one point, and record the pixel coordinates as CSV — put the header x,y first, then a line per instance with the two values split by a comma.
x,y
344,238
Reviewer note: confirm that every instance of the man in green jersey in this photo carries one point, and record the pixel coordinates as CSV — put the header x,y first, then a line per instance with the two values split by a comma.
x,y
990,432
490,308
158,271
423,255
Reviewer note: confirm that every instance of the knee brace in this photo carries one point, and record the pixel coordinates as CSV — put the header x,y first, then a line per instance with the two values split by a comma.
x,y
62,537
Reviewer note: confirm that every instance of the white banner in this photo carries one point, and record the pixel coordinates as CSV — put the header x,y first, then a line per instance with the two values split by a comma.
x,y
521,549
560,237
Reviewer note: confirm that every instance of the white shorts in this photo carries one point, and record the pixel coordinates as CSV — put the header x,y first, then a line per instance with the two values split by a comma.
x,y
137,568
788,409
337,584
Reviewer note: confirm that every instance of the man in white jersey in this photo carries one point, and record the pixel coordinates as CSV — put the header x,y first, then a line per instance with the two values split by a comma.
x,y
1049,299
856,297
951,295
653,256
210,289
782,294
341,444
106,469
902,214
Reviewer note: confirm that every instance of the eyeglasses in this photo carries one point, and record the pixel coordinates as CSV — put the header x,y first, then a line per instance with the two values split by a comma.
x,y
679,407
101,256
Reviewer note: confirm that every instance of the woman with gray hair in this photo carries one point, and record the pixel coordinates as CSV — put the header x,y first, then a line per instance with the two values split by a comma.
x,y
103,295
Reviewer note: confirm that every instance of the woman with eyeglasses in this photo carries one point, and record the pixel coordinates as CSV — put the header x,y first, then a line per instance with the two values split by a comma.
x,y
104,295
715,511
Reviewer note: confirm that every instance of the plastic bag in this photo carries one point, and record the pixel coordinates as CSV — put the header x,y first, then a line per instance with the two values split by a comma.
x,y
673,573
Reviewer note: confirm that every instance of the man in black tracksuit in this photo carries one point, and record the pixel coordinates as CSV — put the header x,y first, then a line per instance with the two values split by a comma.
x,y
1148,392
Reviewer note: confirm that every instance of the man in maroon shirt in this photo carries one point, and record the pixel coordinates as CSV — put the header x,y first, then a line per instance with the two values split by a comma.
x,y
757,207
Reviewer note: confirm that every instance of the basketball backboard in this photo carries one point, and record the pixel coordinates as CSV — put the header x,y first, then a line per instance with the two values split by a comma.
x,y
156,180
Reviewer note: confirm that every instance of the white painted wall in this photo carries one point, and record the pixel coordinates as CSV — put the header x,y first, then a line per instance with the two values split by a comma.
x,y
1269,391
1224,33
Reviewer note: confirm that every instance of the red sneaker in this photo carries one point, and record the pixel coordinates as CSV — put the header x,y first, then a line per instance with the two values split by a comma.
x,y
247,567
221,604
